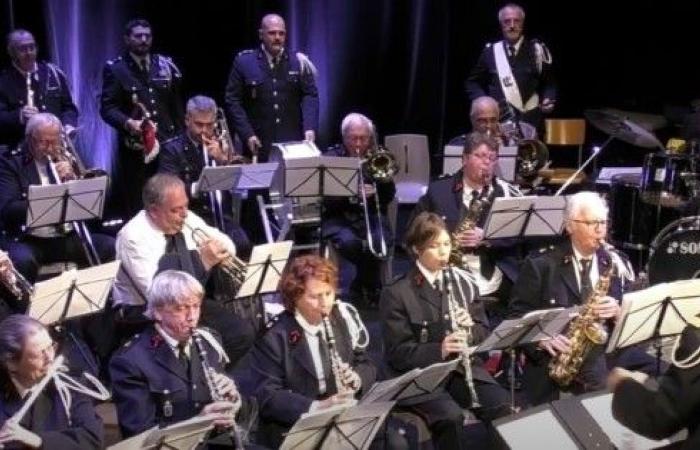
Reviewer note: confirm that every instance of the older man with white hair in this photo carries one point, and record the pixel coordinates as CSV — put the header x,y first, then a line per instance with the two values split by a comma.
x,y
344,223
567,275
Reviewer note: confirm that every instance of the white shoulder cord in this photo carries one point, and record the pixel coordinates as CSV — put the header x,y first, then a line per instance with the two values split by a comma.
x,y
65,383
306,65
206,334
358,332
687,363
470,279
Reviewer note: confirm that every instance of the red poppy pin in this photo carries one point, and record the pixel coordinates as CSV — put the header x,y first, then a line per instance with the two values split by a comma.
x,y
418,279
458,186
156,340
294,337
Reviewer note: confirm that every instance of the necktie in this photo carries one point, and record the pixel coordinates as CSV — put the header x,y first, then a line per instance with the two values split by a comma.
x,y
437,285
182,356
176,244
144,66
331,388
511,50
585,276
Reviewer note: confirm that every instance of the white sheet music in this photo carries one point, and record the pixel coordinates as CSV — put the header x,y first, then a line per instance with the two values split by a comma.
x,y
540,430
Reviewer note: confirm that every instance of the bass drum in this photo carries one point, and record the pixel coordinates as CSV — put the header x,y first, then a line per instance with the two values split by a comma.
x,y
675,253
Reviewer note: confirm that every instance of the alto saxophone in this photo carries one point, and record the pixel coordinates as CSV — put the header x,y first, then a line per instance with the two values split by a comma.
x,y
585,332
471,218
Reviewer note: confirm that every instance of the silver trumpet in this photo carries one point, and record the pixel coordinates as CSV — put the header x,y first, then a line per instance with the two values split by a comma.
x,y
453,304
235,432
335,360
10,277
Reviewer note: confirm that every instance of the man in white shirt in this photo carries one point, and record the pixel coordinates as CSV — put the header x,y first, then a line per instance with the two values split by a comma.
x,y
162,236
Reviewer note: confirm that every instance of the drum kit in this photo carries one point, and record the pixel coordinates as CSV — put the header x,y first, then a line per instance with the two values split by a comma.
x,y
647,208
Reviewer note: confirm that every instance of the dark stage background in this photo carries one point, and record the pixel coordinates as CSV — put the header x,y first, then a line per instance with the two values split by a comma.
x,y
400,62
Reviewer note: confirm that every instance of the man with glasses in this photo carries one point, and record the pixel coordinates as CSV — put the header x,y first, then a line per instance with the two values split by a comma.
x,y
566,275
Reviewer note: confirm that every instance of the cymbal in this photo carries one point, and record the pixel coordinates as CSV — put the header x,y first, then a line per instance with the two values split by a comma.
x,y
622,129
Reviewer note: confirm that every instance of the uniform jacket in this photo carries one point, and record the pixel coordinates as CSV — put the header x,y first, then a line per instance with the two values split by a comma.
x,y
674,406
151,386
415,320
277,105
17,172
158,91
284,373
47,418
51,94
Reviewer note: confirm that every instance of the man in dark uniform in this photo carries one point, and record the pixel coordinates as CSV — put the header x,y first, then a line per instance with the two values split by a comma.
x,y
493,264
515,71
140,95
29,87
566,276
27,166
271,94
183,156
158,377
343,223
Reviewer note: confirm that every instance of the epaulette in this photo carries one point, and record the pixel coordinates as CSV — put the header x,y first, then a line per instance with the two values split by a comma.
x,y
15,151
170,139
246,51
114,61
444,175
128,343
396,279
544,250
55,68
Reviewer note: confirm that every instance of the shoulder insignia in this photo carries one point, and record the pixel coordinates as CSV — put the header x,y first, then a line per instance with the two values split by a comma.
x,y
169,140
488,45
128,343
248,51
114,61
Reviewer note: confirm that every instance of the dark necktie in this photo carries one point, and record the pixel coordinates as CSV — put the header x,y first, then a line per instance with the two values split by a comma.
x,y
437,285
143,65
511,51
585,276
182,356
176,245
331,388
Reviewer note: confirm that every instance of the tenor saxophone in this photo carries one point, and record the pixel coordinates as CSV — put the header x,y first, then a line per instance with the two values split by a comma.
x,y
585,332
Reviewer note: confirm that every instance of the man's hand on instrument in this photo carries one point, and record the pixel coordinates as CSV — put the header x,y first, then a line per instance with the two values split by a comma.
x,y
212,252
64,169
368,189
607,308
27,112
453,343
223,412
14,432
337,399
254,144
227,387
471,238
557,344
215,149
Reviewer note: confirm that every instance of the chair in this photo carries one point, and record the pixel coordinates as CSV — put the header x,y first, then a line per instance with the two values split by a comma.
x,y
412,155
565,132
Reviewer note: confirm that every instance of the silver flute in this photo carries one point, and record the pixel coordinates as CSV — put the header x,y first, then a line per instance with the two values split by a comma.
x,y
465,357
235,432
334,356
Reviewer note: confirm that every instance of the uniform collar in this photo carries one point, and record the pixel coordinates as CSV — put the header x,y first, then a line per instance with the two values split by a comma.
x,y
429,276
172,342
306,326
269,56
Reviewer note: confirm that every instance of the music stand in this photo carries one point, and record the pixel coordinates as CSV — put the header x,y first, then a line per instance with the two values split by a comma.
x,y
264,271
185,435
351,428
412,384
528,216
237,177
656,312
319,176
533,327
73,201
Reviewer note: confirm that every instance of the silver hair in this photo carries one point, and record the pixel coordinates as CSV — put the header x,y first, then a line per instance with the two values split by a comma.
x,y
271,16
41,120
481,102
584,200
157,187
201,104
514,6
14,34
358,119
14,331
171,287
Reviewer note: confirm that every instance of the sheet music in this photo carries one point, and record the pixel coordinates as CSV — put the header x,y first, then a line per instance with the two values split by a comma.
x,y
538,430
86,199
278,254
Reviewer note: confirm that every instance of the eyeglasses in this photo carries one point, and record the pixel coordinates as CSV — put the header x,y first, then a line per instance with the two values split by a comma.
x,y
592,223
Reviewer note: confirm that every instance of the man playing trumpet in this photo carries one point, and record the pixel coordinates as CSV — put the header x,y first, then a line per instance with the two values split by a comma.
x,y
42,148
166,235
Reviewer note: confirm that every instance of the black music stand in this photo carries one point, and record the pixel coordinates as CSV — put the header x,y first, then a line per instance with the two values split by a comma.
x,y
529,216
237,177
318,176
186,435
656,312
263,273
529,329
72,201
351,428
412,384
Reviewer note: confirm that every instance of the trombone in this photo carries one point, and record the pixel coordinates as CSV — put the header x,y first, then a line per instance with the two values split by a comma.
x,y
381,166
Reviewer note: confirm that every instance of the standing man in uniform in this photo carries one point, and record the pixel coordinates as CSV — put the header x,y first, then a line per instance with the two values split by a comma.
x,y
515,71
29,87
271,94
141,100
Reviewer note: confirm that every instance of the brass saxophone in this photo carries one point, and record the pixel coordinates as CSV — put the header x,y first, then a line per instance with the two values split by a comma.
x,y
585,332
476,207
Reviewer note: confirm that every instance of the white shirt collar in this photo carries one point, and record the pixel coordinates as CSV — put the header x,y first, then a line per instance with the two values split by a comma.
x,y
269,56
22,391
172,342
517,45
306,326
139,59
429,277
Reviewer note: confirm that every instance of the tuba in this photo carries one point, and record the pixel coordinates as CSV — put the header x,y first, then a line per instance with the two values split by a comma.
x,y
532,153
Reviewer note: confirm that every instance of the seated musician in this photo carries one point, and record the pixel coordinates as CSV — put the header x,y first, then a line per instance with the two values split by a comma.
x,y
292,363
565,276
660,413
31,165
158,378
344,217
26,353
162,236
183,156
494,263
419,330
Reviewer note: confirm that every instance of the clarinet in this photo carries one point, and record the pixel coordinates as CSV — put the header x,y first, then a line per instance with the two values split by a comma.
x,y
333,354
209,372
465,357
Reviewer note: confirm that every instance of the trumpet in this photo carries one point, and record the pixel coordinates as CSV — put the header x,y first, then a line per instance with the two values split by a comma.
x,y
234,268
10,277
235,433
452,305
